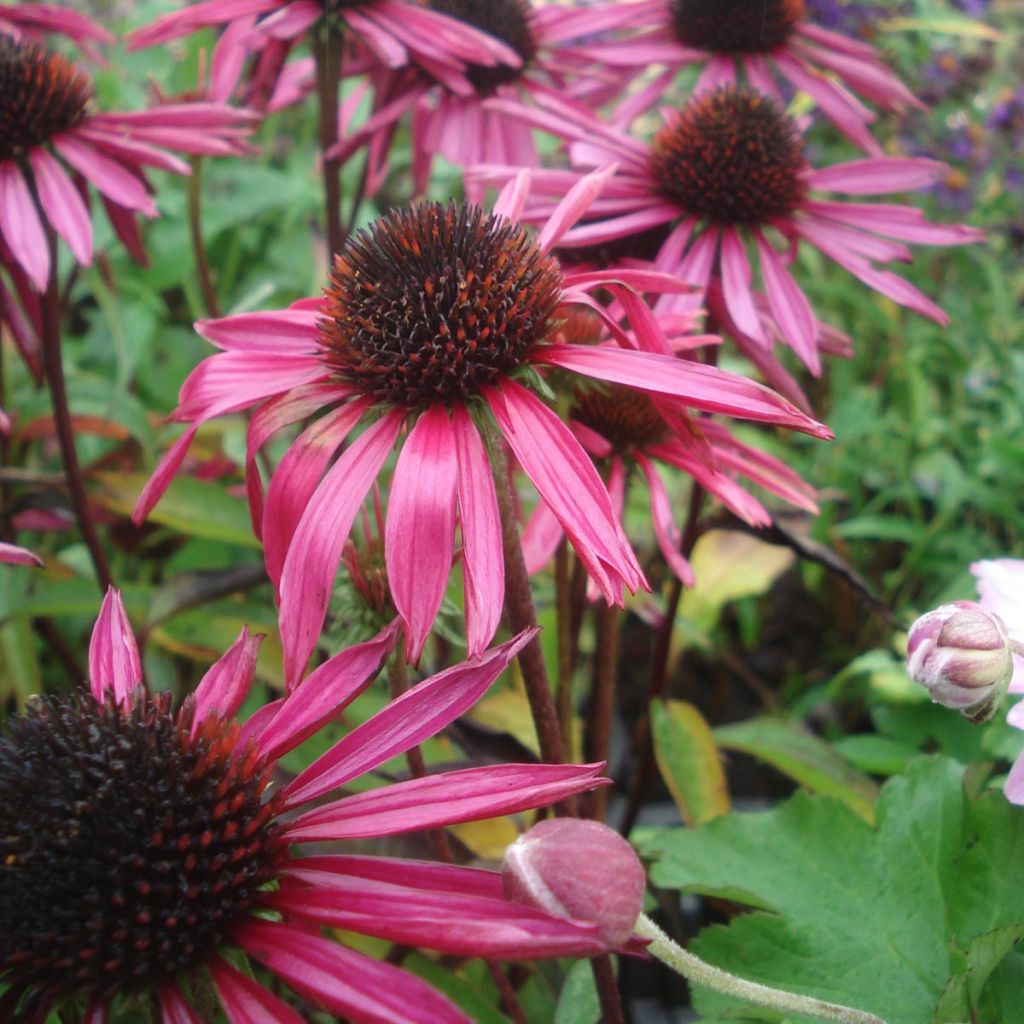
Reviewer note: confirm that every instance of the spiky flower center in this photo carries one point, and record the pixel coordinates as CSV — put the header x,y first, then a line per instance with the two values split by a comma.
x,y
731,156
736,26
432,302
41,95
507,20
625,418
128,845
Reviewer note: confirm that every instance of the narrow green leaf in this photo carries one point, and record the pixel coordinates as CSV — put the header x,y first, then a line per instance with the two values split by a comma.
x,y
578,1002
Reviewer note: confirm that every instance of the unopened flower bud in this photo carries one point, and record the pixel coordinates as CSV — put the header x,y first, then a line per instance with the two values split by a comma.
x,y
578,869
960,653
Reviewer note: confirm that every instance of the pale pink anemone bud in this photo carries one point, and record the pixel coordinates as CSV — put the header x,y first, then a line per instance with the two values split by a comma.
x,y
578,869
961,654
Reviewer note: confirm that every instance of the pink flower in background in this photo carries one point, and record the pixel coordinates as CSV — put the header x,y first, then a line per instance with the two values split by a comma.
x,y
1000,584
32,22
437,315
160,835
52,143
758,41
630,433
13,555
728,175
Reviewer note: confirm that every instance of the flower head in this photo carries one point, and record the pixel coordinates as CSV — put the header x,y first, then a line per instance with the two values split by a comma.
x,y
751,41
438,314
48,126
138,843
727,174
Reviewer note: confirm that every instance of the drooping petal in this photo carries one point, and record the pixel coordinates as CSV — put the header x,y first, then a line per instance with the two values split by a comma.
x,y
789,306
164,473
876,175
736,285
354,986
567,481
664,527
63,204
312,562
225,685
114,666
174,1009
483,563
417,715
513,196
326,692
14,555
436,801
21,227
419,533
574,205
109,177
246,1001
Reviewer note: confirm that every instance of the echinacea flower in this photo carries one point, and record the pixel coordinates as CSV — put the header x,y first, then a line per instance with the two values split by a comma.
x,y
145,851
396,32
52,143
753,41
436,314
34,21
727,173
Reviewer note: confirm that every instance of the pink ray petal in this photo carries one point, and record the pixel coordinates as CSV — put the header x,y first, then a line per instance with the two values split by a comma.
x,y
904,222
566,479
109,177
126,227
789,306
665,531
574,205
359,989
164,473
736,285
513,196
483,563
417,715
326,692
114,666
14,555
460,924
174,1009
419,533
97,1012
225,685
877,174
436,801
296,478
540,538
63,204
21,228
246,1001
294,330
1014,785
312,561
703,387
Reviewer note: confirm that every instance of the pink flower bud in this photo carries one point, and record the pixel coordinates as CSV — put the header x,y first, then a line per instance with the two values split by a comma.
x,y
959,652
578,869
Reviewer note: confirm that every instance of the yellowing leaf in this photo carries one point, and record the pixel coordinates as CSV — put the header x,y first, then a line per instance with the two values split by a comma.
x,y
488,839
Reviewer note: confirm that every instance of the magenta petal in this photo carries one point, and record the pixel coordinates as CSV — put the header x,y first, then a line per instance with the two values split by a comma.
x,y
736,285
312,563
244,1000
419,533
326,692
224,687
110,177
664,528
1014,785
789,306
162,476
14,555
114,666
540,538
483,563
513,196
436,801
567,481
357,988
417,715
63,204
21,227
271,333
576,202
877,174
458,923
174,1009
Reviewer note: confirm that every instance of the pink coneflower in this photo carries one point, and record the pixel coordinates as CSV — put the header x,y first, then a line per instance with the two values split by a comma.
x,y
48,129
453,122
140,847
628,434
758,39
438,314
396,32
727,173
32,22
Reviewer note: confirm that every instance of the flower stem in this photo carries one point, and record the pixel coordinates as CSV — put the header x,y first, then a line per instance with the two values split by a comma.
x,y
327,44
566,652
607,989
195,227
522,615
54,370
606,663
701,973
1015,646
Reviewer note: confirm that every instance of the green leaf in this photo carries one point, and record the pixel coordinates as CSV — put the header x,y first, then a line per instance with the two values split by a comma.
x,y
578,1002
688,759
884,919
789,747
459,989
190,506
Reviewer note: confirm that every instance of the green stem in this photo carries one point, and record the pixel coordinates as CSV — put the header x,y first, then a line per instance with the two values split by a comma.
x,y
195,227
566,652
701,973
327,44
